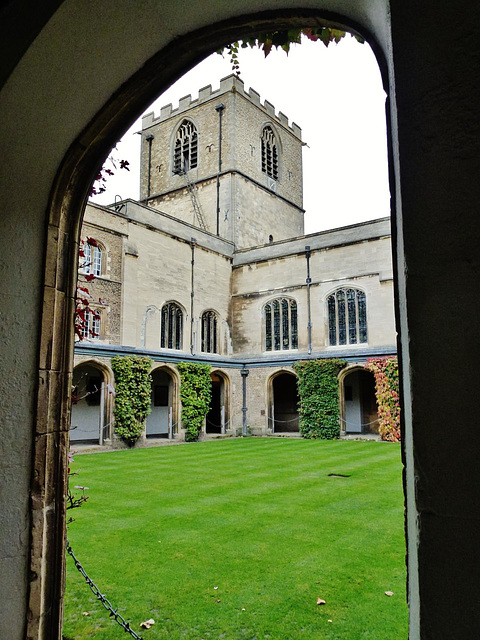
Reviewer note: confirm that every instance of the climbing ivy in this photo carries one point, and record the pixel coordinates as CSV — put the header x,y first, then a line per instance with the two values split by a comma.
x,y
319,404
195,393
132,396
385,371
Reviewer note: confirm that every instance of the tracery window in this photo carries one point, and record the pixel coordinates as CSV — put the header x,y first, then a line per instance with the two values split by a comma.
x,y
92,259
347,317
209,332
269,153
171,326
185,153
281,330
91,325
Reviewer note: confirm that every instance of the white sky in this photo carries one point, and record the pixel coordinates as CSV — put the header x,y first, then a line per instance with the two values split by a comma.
x,y
334,94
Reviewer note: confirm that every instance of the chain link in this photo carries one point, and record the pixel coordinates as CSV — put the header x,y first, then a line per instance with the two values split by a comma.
x,y
106,603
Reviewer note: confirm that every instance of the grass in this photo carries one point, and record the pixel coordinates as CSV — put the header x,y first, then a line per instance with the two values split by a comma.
x,y
237,539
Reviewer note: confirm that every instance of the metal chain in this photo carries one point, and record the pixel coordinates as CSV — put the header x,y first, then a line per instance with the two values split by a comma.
x,y
365,424
283,421
106,603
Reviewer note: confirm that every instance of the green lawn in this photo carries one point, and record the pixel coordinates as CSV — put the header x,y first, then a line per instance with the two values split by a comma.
x,y
237,539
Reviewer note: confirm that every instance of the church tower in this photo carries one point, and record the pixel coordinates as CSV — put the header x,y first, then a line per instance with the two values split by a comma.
x,y
226,163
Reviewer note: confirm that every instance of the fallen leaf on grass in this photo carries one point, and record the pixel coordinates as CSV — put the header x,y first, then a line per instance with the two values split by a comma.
x,y
217,600
320,601
329,620
86,613
389,593
147,624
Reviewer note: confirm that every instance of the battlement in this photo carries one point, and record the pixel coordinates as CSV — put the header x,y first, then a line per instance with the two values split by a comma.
x,y
231,83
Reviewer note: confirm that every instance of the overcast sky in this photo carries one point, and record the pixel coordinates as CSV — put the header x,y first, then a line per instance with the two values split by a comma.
x,y
335,95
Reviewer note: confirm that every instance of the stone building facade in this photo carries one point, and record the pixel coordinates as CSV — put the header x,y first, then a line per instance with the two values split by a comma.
x,y
212,265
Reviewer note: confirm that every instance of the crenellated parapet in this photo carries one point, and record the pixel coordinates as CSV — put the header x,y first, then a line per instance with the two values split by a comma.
x,y
231,83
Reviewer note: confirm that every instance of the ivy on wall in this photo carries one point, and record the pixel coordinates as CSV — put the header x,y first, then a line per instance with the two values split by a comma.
x,y
385,371
195,393
132,396
319,404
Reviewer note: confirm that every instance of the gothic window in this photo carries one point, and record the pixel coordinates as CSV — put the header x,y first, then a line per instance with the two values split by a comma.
x,y
91,326
347,317
269,153
92,259
281,325
209,332
172,326
185,152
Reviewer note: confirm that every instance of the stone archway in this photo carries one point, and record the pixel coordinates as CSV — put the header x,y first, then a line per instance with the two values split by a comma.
x,y
359,410
217,417
284,416
92,410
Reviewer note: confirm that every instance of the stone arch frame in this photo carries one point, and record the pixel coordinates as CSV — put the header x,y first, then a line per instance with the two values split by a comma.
x,y
346,285
67,199
263,322
227,390
278,140
173,373
269,394
351,368
173,135
109,379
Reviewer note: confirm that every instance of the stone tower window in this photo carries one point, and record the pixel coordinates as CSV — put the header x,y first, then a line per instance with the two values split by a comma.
x,y
185,152
269,153
91,325
209,332
281,325
347,317
171,326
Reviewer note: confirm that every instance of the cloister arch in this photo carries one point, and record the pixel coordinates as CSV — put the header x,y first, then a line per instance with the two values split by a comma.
x,y
92,402
218,416
358,406
163,419
282,402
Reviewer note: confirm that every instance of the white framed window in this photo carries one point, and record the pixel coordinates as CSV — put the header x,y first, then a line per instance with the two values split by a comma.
x,y
347,317
91,326
185,151
281,329
92,259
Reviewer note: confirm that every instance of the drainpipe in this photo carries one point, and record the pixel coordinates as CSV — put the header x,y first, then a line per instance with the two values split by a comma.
x,y
149,140
192,292
244,373
220,107
309,306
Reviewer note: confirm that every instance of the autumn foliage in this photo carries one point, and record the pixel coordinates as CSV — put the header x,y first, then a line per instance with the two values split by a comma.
x,y
385,371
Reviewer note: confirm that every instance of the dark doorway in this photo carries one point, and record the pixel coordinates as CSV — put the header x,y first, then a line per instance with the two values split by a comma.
x,y
360,412
285,404
215,416
88,405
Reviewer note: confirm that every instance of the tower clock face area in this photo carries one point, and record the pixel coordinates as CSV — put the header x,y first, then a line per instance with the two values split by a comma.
x,y
227,163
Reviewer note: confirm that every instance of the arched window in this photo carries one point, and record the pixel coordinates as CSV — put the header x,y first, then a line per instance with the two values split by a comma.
x,y
269,153
91,325
347,317
185,152
281,325
92,259
172,326
209,332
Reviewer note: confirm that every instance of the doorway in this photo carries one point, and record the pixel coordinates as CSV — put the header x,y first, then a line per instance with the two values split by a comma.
x,y
360,404
284,411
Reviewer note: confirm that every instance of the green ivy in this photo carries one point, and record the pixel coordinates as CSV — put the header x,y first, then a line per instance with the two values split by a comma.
x,y
132,396
195,393
385,371
319,403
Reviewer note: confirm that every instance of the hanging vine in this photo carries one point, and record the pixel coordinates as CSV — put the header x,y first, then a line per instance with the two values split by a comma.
x,y
385,371
132,396
195,393
319,402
